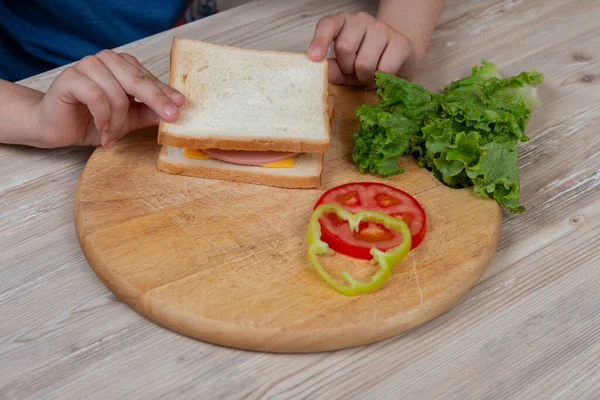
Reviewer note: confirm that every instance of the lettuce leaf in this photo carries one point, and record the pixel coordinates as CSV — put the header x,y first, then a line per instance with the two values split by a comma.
x,y
381,138
467,136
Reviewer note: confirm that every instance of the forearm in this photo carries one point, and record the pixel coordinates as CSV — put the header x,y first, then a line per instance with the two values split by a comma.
x,y
415,19
17,113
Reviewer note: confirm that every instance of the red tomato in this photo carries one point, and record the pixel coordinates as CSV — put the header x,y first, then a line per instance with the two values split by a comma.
x,y
360,196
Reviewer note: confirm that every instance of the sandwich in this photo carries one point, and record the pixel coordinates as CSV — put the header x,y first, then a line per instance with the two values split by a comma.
x,y
251,116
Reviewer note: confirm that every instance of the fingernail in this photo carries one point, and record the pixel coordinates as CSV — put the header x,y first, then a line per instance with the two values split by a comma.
x,y
111,144
170,110
314,51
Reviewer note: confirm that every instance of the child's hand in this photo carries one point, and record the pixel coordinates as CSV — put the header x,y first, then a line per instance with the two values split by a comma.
x,y
362,46
92,102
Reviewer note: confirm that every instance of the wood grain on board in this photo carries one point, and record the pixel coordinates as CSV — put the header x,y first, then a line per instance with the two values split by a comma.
x,y
528,329
226,262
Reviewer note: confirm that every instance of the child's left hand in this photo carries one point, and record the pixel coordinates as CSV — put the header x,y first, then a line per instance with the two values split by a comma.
x,y
362,46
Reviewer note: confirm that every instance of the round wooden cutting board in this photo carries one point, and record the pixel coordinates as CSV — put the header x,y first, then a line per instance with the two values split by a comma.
x,y
226,262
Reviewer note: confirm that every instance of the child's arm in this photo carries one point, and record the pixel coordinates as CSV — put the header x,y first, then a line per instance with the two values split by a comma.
x,y
18,120
394,42
89,103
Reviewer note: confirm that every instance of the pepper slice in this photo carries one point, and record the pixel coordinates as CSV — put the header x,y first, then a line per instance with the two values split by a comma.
x,y
386,260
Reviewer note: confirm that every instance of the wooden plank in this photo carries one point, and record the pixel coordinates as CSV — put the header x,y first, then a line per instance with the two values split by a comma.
x,y
441,349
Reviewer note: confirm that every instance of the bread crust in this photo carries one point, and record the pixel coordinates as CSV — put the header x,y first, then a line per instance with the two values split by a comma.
x,y
266,178
327,104
225,46
233,143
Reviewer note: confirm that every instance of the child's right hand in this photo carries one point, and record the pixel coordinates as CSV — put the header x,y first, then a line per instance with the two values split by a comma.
x,y
92,102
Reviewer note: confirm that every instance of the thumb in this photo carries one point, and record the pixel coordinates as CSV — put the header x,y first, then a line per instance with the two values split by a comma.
x,y
140,116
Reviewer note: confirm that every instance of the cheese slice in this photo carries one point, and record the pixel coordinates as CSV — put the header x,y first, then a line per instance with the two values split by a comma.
x,y
285,163
199,155
195,154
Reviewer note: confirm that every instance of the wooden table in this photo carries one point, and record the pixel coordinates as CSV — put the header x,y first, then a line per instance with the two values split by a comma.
x,y
529,329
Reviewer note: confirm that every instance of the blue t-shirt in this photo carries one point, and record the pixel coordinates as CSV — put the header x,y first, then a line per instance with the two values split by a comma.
x,y
38,35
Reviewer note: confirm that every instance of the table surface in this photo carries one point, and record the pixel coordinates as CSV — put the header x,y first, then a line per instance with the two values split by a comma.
x,y
529,329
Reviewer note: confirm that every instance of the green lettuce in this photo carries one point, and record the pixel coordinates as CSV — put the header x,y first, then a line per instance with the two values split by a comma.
x,y
466,136
382,137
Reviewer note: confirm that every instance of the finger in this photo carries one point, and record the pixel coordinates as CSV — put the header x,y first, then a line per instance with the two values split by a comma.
x,y
396,56
132,60
119,102
327,29
370,53
347,45
175,95
137,82
74,87
140,116
337,76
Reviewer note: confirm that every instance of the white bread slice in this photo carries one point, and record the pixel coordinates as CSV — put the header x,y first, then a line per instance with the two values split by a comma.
x,y
306,172
241,99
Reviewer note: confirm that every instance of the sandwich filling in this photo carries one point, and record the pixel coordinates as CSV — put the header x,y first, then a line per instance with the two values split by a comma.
x,y
268,159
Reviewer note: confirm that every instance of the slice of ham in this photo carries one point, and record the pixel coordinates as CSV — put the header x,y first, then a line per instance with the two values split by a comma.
x,y
247,157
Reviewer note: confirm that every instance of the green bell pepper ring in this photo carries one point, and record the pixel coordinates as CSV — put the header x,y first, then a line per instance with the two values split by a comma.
x,y
386,260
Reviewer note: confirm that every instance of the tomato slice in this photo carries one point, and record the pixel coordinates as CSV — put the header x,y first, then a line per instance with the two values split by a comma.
x,y
358,196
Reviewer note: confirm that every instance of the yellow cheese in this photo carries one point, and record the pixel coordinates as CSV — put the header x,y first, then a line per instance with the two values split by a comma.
x,y
196,154
199,155
286,163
